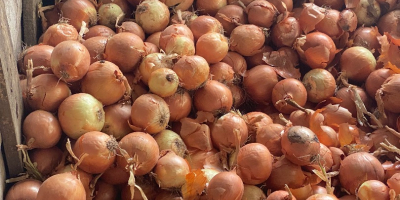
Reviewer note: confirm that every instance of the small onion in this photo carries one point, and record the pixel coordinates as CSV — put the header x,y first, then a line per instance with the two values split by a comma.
x,y
373,189
116,120
358,168
237,62
285,172
389,93
64,186
357,63
192,71
270,136
247,39
58,33
288,89
320,85
212,46
231,16
151,62
26,189
95,46
375,79
261,13
300,145
152,16
169,140
164,82
259,82
225,185
170,170
80,113
214,97
108,14
229,131
41,129
150,113
180,105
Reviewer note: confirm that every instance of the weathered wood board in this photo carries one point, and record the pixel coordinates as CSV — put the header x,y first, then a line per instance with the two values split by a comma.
x,y
30,22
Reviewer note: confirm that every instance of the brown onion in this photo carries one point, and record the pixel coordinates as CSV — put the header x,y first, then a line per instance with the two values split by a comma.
x,y
107,76
46,160
180,44
358,168
320,85
77,107
357,63
348,97
40,55
125,50
257,59
163,82
285,32
152,16
174,29
347,20
393,182
300,145
310,16
222,72
64,186
70,61
150,48
180,105
368,12
154,38
231,16
105,191
375,79
285,172
178,4
204,160
373,189
270,136
280,195
41,129
84,177
389,23
237,62
367,37
225,185
212,46
205,24
261,13
389,93
256,120
79,11
123,4
152,62
333,4
322,197
288,89
99,30
238,95
247,39
210,7
108,14
254,163
229,131
170,170
115,175
58,33
132,27
169,140
329,24
253,192
116,120
192,71
214,97
259,82
95,46
195,135
282,5
26,189
143,147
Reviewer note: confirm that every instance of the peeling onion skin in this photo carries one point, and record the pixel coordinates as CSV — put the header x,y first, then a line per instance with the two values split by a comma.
x,y
389,23
288,88
26,189
270,136
64,186
320,85
78,11
375,79
285,32
358,168
223,131
132,27
357,63
40,55
225,185
261,13
389,93
254,163
236,15
58,33
300,145
247,39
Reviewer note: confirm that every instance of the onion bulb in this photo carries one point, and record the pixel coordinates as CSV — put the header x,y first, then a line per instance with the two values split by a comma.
x,y
116,120
289,89
212,46
58,33
225,185
64,186
373,189
169,140
164,82
214,97
258,82
357,63
108,14
320,85
152,16
229,131
247,39
170,170
26,189
180,105
192,71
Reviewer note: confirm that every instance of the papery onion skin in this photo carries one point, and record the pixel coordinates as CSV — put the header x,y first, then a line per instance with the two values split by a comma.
x,y
171,170
235,14
375,79
237,62
144,147
116,120
300,145
177,29
320,85
357,63
348,97
99,30
261,13
43,128
100,149
70,61
347,20
247,39
40,55
151,62
150,113
58,33
152,16
333,4
212,46
225,185
285,32
26,189
282,6
77,107
367,37
64,186
78,11
228,129
288,88
357,168
256,120
214,97
270,136
259,82
254,163
238,95
95,46
180,105
389,93
329,24
192,71
132,27
373,189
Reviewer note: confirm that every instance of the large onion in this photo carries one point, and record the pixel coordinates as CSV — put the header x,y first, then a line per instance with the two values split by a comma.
x,y
212,46
26,189
116,120
192,71
357,63
152,16
289,89
214,97
229,131
171,170
247,39
64,186
40,55
225,185
58,33
79,11
259,82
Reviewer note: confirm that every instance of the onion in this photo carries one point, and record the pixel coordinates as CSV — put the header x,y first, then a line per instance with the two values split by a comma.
x,y
373,189
225,185
149,187
358,168
347,20
212,46
150,113
183,17
40,55
107,76
357,63
77,107
180,44
259,82
280,195
143,147
180,105
64,186
335,114
79,11
154,38
170,170
316,49
46,93
236,2
125,50
116,120
333,4
347,96
123,4
84,177
164,82
348,197
115,175
320,85
41,129
26,189
150,48
70,61
368,12
367,37
210,7
178,4
392,182
131,27
254,163
300,145
195,135
303,118
205,24
237,62
204,160
222,72
192,71
253,192
229,131
261,13
169,140
284,173
257,59
388,23
46,160
388,93
330,24
310,16
175,29
255,121
58,33
100,149
337,156
152,16
95,46
270,136
289,89
375,79
152,62
99,30
285,32
322,197
108,14
231,16
325,159
214,97
247,39
238,95
105,191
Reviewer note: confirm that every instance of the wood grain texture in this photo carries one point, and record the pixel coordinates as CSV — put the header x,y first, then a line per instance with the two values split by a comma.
x,y
14,16
10,99
30,21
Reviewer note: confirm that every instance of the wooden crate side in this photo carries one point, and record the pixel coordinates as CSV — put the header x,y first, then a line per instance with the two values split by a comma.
x,y
30,21
11,107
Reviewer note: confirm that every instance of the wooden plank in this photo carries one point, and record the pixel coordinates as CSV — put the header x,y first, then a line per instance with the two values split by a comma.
x,y
11,107
14,15
30,22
